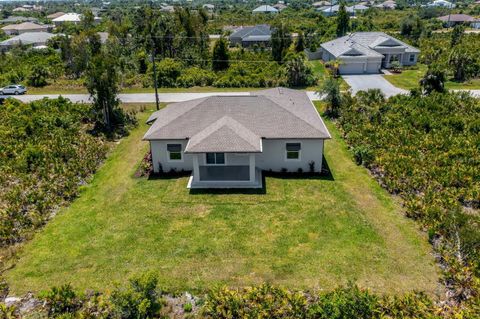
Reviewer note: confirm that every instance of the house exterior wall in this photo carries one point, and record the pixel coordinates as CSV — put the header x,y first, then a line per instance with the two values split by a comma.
x,y
272,158
406,59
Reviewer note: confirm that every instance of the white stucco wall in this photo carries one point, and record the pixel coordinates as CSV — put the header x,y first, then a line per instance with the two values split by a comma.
x,y
273,156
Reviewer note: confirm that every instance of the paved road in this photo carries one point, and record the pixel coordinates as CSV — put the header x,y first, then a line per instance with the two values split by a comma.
x,y
356,82
143,97
363,82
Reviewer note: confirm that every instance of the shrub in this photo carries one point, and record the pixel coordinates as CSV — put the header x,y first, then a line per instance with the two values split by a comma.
x,y
195,76
61,300
168,70
140,299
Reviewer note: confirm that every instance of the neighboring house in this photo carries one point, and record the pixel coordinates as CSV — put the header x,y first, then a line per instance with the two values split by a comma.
x,y
55,15
454,19
226,141
368,52
387,5
265,9
279,6
167,8
333,10
15,29
441,3
74,18
209,7
33,39
103,37
248,36
320,4
18,19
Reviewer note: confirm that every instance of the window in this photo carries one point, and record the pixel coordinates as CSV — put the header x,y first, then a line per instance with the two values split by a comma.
x,y
174,152
293,151
215,158
412,58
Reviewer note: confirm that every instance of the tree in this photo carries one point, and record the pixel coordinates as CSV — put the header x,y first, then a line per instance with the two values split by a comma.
x,y
330,89
462,63
102,84
281,41
457,35
38,76
396,66
412,27
343,21
300,43
433,80
298,72
220,55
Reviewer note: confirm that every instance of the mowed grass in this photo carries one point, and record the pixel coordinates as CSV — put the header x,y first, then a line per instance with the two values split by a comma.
x,y
302,233
410,79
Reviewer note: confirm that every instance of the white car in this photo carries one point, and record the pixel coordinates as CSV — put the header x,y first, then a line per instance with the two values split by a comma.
x,y
13,89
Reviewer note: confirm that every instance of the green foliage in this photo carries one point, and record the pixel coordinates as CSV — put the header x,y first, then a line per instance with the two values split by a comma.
x,y
300,43
38,77
220,55
343,20
61,300
331,89
168,70
140,299
425,148
462,63
46,153
457,35
298,72
412,27
281,41
433,81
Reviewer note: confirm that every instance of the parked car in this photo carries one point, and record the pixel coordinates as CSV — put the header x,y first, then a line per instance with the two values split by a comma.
x,y
13,89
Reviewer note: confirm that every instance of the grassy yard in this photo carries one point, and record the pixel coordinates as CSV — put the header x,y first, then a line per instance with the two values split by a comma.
x,y
409,79
302,233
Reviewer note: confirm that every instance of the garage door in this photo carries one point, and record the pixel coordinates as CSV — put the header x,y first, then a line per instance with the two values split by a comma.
x,y
351,68
373,67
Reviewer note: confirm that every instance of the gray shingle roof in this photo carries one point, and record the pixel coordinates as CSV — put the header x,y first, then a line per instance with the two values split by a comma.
x,y
25,26
265,8
457,18
257,30
238,123
29,38
364,42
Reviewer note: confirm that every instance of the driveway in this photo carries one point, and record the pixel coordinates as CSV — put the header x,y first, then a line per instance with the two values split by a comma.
x,y
363,82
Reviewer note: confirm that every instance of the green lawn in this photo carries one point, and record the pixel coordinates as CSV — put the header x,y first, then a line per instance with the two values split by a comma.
x,y
302,233
410,77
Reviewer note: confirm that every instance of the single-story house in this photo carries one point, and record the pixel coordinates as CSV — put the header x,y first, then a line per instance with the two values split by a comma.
x,y
368,52
226,141
34,39
18,19
16,29
250,35
167,8
55,15
329,11
208,6
454,19
280,6
320,4
387,5
73,18
265,9
441,3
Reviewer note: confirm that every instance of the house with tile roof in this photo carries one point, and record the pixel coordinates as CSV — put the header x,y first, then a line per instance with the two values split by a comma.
x,y
227,141
265,9
368,52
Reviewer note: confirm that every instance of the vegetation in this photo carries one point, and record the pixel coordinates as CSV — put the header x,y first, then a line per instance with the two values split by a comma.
x,y
47,153
425,149
343,20
123,225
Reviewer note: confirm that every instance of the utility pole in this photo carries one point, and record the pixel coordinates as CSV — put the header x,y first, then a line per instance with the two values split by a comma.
x,y
155,75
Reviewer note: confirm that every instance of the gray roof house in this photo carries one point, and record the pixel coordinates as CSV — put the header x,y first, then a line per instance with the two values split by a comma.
x,y
250,35
17,19
226,141
333,10
368,52
15,29
265,9
34,39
